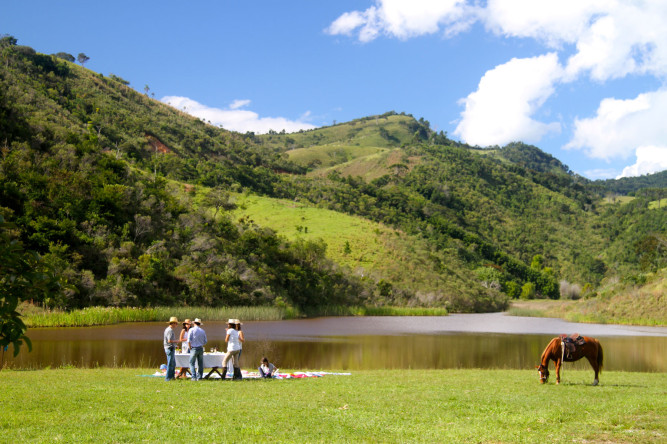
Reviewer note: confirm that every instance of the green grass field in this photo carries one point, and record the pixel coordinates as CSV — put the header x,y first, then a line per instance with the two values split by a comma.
x,y
657,204
499,406
376,250
333,154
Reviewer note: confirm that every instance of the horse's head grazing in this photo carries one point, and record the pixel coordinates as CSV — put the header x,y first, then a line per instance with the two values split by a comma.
x,y
543,371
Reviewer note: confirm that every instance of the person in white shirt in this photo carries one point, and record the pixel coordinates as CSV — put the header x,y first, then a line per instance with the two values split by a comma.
x,y
233,341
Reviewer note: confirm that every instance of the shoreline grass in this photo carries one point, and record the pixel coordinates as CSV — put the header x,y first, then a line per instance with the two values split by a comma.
x,y
34,316
625,303
78,405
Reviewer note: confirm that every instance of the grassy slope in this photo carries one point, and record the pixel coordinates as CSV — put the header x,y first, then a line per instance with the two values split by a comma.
x,y
76,405
377,251
353,148
657,204
372,166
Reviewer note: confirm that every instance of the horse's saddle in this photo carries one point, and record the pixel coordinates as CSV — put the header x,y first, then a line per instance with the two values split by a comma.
x,y
571,343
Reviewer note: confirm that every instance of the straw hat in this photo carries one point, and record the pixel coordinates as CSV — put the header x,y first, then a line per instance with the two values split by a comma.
x,y
236,321
173,320
198,321
231,321
187,321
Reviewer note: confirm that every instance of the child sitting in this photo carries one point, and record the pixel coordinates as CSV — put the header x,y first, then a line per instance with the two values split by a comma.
x,y
267,370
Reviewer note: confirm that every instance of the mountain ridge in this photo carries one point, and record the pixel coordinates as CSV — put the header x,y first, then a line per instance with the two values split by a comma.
x,y
485,225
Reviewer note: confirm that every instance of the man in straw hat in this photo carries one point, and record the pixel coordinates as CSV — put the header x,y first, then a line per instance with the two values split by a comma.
x,y
170,342
197,340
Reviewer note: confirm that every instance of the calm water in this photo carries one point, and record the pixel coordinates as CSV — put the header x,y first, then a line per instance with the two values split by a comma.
x,y
456,341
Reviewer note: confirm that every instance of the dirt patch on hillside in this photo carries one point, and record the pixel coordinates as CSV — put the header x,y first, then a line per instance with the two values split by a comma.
x,y
157,145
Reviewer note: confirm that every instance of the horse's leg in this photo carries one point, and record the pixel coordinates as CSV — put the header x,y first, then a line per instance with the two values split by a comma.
x,y
558,362
594,363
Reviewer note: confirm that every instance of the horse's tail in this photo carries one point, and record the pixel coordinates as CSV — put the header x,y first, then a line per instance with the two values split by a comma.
x,y
600,357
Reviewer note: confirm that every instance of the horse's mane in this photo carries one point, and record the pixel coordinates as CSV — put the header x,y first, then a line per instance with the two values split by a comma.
x,y
550,349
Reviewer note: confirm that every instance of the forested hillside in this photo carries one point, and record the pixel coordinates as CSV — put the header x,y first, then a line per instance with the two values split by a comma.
x,y
131,202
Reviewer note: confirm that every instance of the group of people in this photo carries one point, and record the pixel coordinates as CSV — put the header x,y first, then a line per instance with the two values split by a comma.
x,y
193,339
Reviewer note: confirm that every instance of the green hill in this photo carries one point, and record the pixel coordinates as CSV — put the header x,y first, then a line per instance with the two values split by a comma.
x,y
131,202
368,147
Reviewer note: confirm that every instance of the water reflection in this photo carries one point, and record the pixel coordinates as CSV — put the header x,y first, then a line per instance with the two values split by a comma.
x,y
341,344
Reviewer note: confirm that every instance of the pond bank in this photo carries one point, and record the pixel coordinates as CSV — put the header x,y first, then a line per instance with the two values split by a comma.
x,y
621,310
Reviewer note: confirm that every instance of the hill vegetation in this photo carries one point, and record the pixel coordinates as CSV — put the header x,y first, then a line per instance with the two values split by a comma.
x,y
130,202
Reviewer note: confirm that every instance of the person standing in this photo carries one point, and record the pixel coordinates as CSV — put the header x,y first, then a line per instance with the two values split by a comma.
x,y
237,369
169,342
197,340
233,348
185,348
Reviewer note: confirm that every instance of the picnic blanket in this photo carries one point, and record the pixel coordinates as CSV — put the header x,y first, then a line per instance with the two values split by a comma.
x,y
255,375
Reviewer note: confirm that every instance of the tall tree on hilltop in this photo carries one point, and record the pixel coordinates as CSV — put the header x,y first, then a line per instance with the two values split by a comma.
x,y
82,58
66,56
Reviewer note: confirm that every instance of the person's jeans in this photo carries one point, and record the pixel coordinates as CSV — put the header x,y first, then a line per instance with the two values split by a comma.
x,y
197,354
171,363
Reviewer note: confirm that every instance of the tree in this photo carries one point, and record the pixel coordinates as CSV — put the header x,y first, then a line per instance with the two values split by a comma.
x,y
220,200
23,276
7,40
82,58
537,263
65,56
528,291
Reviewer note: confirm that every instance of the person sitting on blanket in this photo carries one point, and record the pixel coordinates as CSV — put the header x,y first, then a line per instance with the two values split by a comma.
x,y
267,370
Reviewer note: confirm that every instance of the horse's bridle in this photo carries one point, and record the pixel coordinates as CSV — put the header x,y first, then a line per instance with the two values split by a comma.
x,y
544,373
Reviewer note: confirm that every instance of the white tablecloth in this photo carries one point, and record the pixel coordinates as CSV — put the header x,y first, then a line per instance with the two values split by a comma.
x,y
210,359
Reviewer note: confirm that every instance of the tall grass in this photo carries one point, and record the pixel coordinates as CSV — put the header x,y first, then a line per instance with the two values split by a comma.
x,y
528,312
113,315
91,316
342,310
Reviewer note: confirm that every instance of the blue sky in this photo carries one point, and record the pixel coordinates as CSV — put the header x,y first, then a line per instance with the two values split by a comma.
x,y
584,80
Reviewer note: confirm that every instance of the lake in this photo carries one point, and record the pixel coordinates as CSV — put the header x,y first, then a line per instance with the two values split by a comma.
x,y
492,340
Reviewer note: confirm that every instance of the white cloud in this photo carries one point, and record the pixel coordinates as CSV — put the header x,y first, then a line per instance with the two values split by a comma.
x,y
650,159
620,126
552,22
236,104
612,38
500,110
236,119
627,38
347,23
597,39
403,19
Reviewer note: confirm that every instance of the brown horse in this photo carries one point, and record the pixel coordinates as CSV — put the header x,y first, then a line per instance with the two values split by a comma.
x,y
591,350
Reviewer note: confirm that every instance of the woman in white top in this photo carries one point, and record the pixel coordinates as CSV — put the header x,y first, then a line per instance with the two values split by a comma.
x,y
233,341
